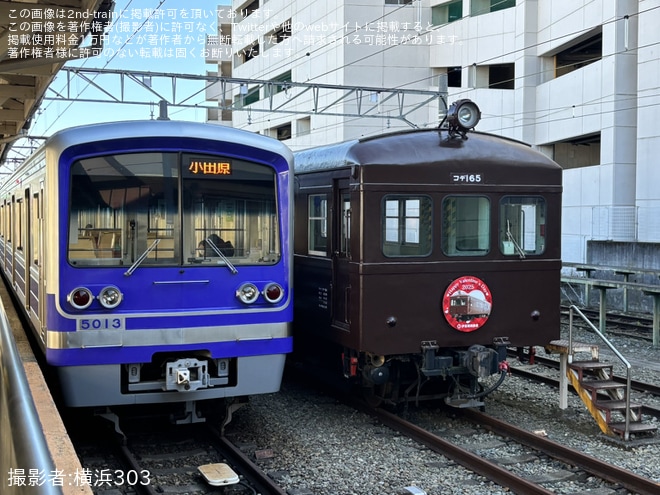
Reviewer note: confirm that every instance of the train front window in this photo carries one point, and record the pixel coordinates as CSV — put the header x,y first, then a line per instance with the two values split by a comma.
x,y
232,204
127,206
120,205
407,226
522,225
466,226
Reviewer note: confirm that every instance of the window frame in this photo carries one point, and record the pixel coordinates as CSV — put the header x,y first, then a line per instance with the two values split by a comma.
x,y
510,245
403,226
322,217
481,233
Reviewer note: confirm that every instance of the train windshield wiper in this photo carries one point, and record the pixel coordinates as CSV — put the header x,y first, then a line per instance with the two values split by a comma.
x,y
510,237
142,257
217,251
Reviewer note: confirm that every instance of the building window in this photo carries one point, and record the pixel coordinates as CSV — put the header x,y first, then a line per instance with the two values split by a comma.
x,y
580,151
407,226
446,13
454,77
501,76
247,96
250,52
579,55
283,132
278,88
496,5
398,2
478,7
466,226
317,242
282,33
247,9
303,126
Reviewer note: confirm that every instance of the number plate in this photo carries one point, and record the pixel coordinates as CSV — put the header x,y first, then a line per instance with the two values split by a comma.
x,y
112,323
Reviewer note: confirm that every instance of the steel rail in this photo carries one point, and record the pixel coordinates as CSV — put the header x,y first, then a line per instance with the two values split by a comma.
x,y
462,456
633,482
257,477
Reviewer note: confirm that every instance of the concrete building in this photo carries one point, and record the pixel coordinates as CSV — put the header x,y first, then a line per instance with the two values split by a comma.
x,y
578,80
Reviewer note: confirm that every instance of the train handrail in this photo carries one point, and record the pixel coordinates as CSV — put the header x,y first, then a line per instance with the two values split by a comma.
x,y
626,363
20,423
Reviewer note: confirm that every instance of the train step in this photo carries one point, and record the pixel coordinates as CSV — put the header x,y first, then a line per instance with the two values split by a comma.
x,y
635,428
591,368
607,407
592,379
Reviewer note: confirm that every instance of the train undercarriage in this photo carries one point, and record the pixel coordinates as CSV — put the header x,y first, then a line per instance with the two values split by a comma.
x,y
460,377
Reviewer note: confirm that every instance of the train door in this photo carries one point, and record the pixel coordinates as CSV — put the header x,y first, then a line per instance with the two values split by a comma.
x,y
37,232
341,253
27,246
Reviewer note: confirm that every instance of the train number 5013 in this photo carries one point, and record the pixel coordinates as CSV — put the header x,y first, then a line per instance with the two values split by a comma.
x,y
101,324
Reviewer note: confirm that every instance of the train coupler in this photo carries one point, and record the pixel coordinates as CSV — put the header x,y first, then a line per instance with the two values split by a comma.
x,y
433,365
480,361
186,374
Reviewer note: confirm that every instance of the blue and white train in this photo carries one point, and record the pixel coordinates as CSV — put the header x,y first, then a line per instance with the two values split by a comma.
x,y
153,260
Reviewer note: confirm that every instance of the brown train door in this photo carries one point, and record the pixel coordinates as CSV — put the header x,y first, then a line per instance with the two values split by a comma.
x,y
341,253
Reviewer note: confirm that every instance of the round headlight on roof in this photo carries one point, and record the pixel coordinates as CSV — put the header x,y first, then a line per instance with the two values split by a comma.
x,y
463,115
110,297
80,298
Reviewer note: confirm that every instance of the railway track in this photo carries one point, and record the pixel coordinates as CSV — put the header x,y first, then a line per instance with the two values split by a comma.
x,y
509,470
630,325
151,460
489,437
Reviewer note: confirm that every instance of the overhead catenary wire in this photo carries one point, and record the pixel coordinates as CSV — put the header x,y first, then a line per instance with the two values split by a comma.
x,y
558,109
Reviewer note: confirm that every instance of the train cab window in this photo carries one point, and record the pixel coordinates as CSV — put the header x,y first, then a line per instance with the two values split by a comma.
x,y
317,213
125,208
407,226
114,201
229,212
522,225
466,226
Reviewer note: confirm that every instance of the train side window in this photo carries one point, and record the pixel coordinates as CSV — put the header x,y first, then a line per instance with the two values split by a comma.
x,y
317,242
19,224
407,226
35,228
466,226
522,225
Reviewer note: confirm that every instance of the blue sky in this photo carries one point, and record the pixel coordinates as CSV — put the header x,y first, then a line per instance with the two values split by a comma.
x,y
169,41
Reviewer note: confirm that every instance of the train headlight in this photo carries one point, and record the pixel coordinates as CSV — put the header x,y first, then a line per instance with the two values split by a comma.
x,y
462,116
273,293
247,293
110,297
80,298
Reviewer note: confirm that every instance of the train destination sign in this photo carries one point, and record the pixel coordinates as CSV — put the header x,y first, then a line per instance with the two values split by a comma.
x,y
211,167
467,303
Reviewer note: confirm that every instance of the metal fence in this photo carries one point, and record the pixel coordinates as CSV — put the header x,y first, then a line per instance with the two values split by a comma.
x,y
25,462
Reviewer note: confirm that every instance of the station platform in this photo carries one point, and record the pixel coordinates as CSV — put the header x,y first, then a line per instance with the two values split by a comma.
x,y
68,469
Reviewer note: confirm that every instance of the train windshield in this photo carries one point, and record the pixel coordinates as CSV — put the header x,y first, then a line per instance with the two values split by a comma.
x,y
172,209
466,226
522,225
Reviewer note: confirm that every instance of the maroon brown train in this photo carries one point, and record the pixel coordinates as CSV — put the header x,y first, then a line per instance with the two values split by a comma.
x,y
394,233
